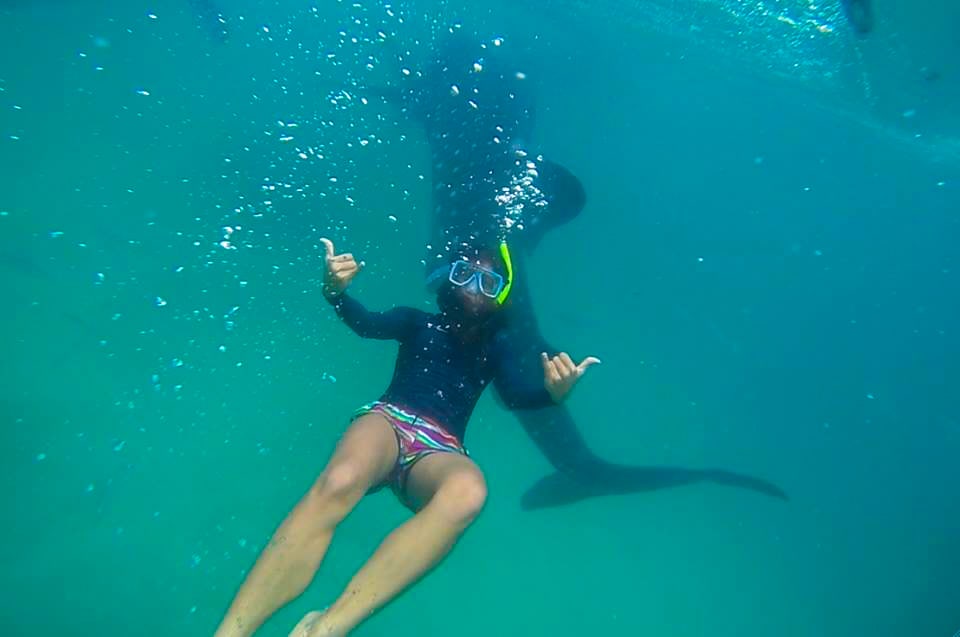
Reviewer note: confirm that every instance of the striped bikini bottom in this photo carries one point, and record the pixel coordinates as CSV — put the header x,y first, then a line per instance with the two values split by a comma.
x,y
417,438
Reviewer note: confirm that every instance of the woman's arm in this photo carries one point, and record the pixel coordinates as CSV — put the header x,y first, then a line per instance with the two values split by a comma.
x,y
396,324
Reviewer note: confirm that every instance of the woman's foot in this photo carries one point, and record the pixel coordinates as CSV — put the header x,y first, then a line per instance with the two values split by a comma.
x,y
313,625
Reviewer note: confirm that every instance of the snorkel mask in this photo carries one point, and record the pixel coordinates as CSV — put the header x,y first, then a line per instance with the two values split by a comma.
x,y
479,280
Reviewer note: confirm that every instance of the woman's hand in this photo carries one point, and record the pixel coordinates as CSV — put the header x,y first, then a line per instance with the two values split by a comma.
x,y
341,268
560,374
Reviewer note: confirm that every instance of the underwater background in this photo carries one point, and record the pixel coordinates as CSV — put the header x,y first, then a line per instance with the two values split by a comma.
x,y
767,265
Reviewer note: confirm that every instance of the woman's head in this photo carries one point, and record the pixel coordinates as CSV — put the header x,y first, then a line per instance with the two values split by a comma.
x,y
475,284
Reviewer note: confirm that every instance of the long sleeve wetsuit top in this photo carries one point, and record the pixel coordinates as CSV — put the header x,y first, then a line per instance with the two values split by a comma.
x,y
438,376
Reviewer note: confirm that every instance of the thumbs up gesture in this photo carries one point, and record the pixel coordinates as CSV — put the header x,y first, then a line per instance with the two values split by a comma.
x,y
341,268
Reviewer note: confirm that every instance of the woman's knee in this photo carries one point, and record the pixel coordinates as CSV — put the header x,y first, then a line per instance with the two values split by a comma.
x,y
462,497
340,486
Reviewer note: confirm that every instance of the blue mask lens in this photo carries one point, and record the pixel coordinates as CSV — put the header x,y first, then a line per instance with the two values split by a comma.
x,y
463,273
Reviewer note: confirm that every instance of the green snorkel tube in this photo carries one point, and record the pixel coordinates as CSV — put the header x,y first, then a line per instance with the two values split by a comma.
x,y
508,264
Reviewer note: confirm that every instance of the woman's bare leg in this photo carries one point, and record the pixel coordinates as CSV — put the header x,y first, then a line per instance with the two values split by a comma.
x,y
364,457
449,491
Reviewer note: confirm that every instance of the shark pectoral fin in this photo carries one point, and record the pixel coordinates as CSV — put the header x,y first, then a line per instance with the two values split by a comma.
x,y
740,481
554,490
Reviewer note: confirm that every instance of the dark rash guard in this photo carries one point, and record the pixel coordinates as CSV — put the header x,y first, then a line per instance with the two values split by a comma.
x,y
437,375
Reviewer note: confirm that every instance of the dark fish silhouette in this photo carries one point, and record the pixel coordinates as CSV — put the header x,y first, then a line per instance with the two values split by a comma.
x,y
477,109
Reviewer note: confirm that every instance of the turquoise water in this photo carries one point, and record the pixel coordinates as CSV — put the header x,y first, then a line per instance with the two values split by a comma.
x,y
766,265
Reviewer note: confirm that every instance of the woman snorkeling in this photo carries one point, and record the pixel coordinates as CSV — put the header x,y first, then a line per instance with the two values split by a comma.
x,y
410,440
